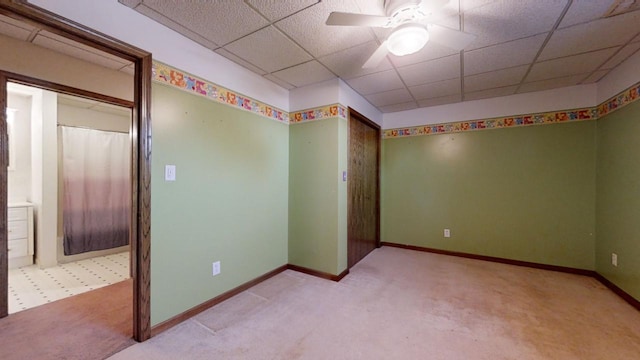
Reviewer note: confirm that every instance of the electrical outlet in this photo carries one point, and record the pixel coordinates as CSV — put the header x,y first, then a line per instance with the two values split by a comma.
x,y
614,259
216,268
447,233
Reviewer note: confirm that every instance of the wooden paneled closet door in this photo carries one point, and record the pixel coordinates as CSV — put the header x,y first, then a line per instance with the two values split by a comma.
x,y
363,192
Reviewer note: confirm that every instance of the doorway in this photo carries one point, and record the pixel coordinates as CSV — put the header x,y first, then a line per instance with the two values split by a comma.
x,y
363,194
68,224
34,16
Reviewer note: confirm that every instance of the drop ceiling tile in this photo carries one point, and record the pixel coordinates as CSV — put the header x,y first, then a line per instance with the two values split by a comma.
x,y
370,7
83,103
431,71
112,109
14,31
490,93
431,51
17,23
14,28
507,20
552,83
448,16
284,84
571,65
79,51
584,11
621,56
75,101
398,107
467,5
175,26
276,10
595,76
202,18
268,49
436,90
348,63
240,61
390,97
308,29
494,79
440,101
376,83
594,35
508,54
305,74
130,3
129,69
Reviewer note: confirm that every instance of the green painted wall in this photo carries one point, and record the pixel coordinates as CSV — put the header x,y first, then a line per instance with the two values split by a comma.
x,y
257,194
229,202
618,198
521,193
315,191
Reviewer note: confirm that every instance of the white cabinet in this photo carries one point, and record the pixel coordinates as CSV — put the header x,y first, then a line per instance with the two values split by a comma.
x,y
20,236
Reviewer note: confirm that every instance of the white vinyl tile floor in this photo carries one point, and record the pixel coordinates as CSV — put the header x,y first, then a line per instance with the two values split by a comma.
x,y
30,286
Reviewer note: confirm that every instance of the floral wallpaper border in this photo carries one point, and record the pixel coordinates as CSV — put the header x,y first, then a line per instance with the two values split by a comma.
x,y
167,75
319,113
495,123
184,81
624,98
621,100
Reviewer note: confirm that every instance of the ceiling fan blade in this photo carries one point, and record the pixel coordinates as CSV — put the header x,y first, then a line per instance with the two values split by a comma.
x,y
429,6
454,39
350,19
377,56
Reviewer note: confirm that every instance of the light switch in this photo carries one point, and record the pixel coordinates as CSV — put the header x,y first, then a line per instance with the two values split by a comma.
x,y
344,176
170,173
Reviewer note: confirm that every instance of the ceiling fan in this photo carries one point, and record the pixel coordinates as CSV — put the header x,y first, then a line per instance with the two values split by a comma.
x,y
412,29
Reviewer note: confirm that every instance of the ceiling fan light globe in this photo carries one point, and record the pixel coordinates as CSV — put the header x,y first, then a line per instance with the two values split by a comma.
x,y
407,39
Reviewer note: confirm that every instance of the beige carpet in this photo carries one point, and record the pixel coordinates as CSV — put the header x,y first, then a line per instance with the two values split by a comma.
x,y
403,304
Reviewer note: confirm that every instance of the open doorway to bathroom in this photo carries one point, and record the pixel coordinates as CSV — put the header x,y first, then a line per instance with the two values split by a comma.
x,y
50,52
68,194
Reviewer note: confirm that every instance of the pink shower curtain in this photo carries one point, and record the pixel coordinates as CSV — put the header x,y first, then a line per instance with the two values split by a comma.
x,y
97,196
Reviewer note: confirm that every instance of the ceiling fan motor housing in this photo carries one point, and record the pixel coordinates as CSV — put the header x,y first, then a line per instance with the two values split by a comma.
x,y
403,11
393,6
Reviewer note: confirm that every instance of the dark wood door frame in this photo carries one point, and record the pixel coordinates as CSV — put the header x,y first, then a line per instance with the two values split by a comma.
x,y
141,155
355,115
